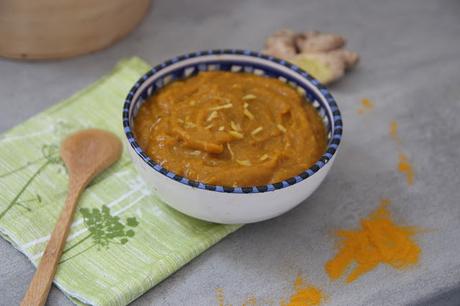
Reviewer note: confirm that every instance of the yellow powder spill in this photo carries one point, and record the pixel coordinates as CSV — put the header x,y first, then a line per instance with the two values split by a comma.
x,y
220,296
378,241
251,301
405,167
394,131
304,295
366,105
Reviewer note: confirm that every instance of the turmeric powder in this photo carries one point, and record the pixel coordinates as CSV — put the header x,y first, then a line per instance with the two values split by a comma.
x,y
378,241
366,105
220,296
404,166
250,301
394,131
304,295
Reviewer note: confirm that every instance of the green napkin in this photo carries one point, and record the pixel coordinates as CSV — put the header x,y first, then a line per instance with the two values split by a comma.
x,y
124,240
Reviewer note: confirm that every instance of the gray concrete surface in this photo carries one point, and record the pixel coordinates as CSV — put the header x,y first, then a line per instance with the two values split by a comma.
x,y
410,67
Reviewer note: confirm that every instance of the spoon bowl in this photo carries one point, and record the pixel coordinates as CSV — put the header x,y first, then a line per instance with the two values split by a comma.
x,y
88,152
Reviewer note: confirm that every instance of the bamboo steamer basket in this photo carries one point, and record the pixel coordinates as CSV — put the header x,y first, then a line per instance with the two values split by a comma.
x,y
53,29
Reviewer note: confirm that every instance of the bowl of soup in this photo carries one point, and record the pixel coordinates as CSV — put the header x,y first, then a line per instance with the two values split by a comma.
x,y
231,136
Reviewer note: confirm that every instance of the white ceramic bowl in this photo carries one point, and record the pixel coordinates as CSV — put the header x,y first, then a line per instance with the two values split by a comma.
x,y
223,204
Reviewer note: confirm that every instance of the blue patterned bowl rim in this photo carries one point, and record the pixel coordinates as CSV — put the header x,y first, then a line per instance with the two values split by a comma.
x,y
335,134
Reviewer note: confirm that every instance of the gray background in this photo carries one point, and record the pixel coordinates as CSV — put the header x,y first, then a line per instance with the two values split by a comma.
x,y
410,68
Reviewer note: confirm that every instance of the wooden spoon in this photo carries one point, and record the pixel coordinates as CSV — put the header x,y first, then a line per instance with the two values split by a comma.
x,y
85,154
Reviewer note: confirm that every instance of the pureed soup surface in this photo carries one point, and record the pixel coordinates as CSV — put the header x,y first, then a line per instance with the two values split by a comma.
x,y
232,129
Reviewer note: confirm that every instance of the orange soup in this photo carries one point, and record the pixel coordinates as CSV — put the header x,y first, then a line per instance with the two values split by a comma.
x,y
232,129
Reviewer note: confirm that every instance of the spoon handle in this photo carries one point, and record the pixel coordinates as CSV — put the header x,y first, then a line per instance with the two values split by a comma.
x,y
40,285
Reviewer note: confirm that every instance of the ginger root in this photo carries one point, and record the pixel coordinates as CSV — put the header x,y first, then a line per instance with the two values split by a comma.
x,y
323,55
318,42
